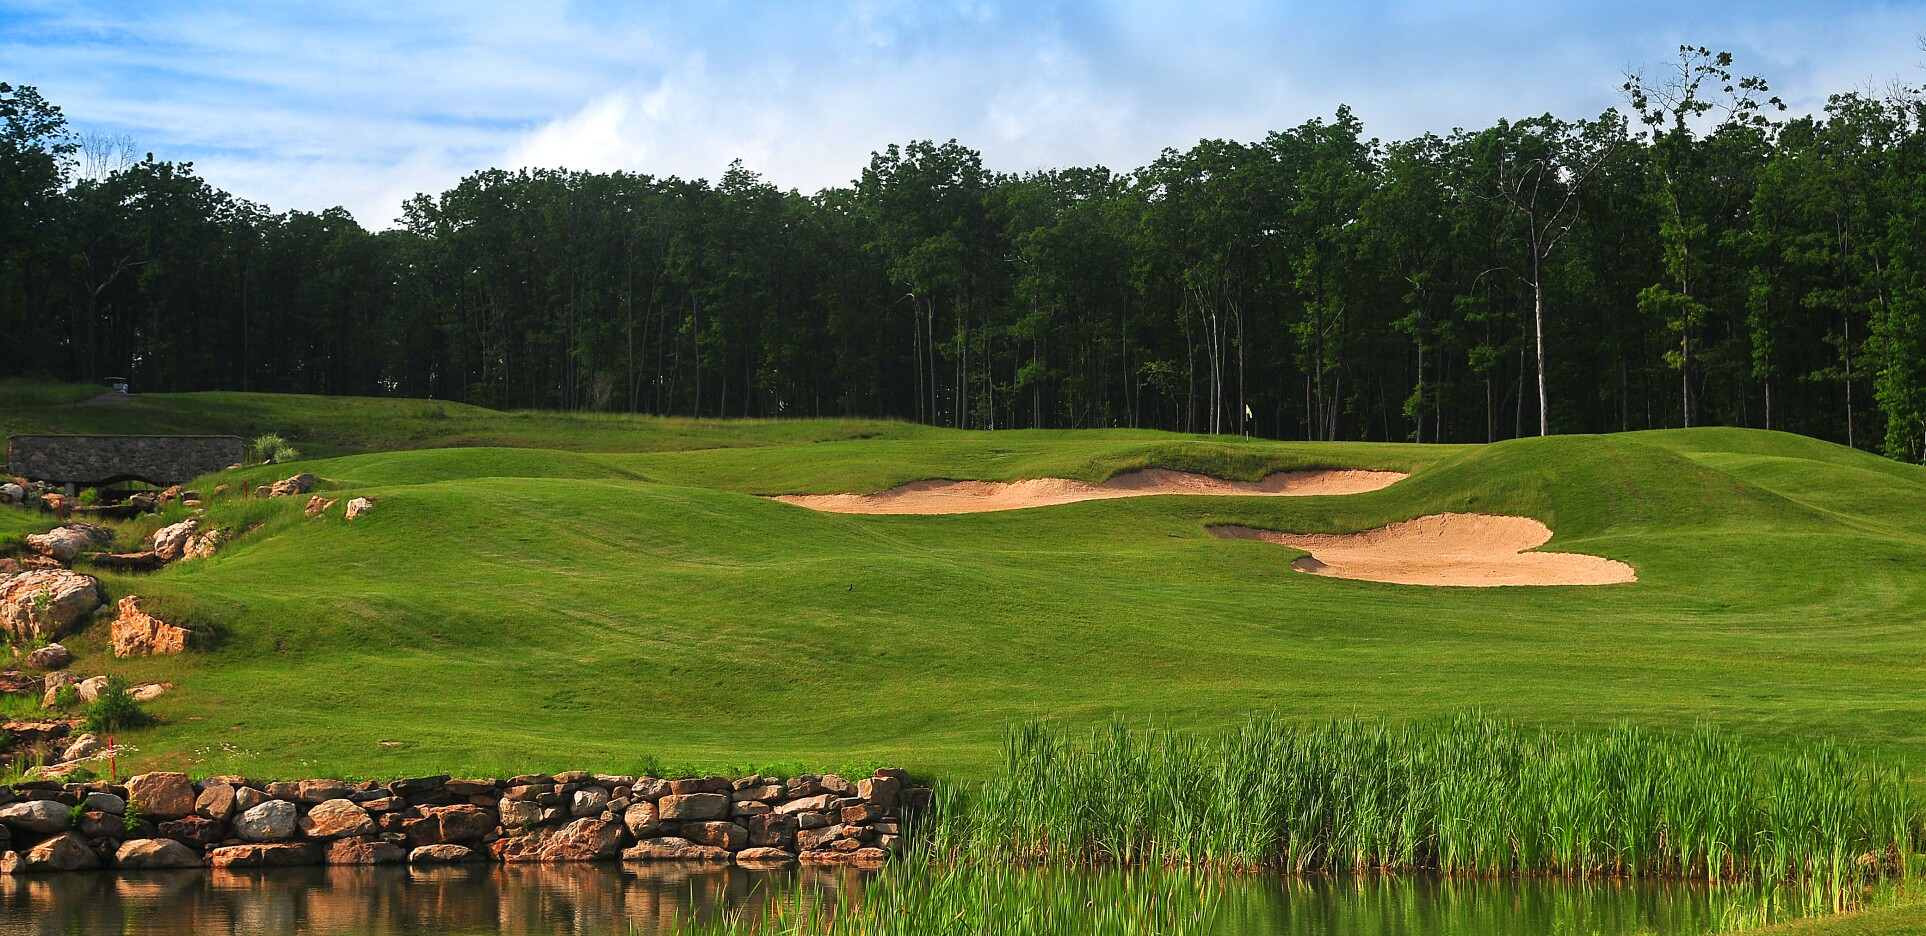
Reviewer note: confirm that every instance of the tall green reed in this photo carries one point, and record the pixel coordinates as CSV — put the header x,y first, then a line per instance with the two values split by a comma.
x,y
1464,795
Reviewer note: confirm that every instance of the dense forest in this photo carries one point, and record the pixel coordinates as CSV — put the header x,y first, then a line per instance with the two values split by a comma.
x,y
1694,257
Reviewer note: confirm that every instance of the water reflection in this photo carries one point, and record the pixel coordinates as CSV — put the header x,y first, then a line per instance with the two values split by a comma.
x,y
613,899
1424,906
519,899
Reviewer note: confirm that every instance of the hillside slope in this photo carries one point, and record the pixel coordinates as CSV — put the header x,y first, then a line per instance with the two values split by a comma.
x,y
504,609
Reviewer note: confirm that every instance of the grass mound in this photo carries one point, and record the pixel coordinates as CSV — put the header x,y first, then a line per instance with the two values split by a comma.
x,y
632,597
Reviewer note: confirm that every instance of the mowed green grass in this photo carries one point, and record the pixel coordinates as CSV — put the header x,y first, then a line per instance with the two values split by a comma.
x,y
328,426
1907,919
532,608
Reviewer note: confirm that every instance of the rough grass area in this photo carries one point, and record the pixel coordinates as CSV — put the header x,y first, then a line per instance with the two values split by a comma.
x,y
1466,796
320,425
19,393
523,607
1905,920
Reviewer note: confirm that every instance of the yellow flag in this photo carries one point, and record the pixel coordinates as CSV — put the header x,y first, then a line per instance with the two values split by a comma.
x,y
1247,411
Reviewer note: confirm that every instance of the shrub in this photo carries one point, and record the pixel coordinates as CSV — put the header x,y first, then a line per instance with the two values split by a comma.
x,y
271,449
115,710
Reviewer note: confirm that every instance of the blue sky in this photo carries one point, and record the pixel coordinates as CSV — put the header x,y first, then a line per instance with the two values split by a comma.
x,y
364,104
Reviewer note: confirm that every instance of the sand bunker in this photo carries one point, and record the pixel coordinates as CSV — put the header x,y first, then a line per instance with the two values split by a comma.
x,y
956,497
1444,549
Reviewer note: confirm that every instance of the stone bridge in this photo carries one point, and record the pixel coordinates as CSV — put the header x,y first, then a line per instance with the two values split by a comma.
x,y
95,460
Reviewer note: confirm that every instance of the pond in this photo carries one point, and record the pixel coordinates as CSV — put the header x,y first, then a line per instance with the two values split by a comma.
x,y
649,899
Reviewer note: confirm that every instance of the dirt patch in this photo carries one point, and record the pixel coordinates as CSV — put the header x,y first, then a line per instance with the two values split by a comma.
x,y
1444,549
956,497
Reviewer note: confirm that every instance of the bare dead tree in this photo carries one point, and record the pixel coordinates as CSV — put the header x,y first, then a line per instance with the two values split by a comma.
x,y
103,154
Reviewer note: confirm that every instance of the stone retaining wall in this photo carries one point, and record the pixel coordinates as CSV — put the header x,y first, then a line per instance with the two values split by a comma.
x,y
101,459
164,820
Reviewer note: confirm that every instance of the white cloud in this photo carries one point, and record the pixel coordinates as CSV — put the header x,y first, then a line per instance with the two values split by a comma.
x,y
365,103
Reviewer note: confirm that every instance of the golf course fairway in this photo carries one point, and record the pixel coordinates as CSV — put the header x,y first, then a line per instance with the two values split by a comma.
x,y
620,591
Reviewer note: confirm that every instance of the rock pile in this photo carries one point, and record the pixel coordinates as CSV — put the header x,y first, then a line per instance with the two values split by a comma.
x,y
164,820
42,604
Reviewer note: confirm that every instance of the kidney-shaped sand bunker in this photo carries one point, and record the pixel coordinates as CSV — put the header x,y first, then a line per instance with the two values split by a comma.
x,y
1443,549
956,497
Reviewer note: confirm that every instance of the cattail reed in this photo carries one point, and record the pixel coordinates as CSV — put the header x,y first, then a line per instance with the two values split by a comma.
x,y
1469,795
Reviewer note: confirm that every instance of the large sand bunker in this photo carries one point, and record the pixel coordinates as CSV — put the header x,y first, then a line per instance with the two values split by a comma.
x,y
956,497
1444,549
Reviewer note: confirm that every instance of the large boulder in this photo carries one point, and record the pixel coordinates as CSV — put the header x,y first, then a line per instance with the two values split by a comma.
x,y
708,784
881,791
91,688
105,802
771,830
816,803
171,541
439,825
299,484
46,603
92,824
581,840
35,733
359,507
272,821
156,853
337,818
36,817
204,544
265,855
62,544
365,850
720,834
863,814
460,787
320,791
671,848
588,802
86,745
143,561
693,807
520,814
764,857
50,657
66,852
161,795
807,839
194,831
641,820
137,633
443,854
215,802
759,793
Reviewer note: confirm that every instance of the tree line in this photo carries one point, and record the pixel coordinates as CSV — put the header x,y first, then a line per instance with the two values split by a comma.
x,y
1695,257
